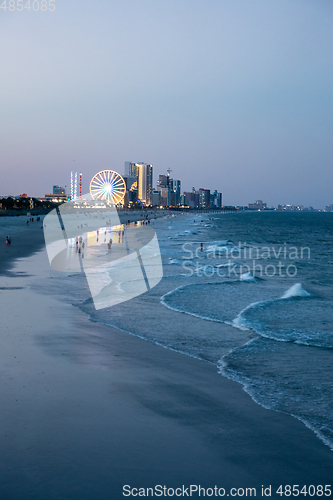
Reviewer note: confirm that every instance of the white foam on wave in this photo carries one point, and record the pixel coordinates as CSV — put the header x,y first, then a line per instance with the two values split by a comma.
x,y
175,261
228,264
220,246
247,277
240,322
187,232
295,291
180,262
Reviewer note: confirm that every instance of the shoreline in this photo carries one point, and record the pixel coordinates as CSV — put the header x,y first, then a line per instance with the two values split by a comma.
x,y
28,239
88,408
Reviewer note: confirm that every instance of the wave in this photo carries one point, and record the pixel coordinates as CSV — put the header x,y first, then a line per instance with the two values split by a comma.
x,y
214,301
227,264
181,262
249,304
187,232
290,317
294,317
247,277
270,382
175,261
242,322
163,301
220,246
295,291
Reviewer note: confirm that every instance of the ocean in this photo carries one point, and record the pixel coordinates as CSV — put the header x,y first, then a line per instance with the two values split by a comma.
x,y
250,292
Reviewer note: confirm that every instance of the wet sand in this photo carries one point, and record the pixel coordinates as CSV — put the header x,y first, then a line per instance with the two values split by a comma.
x,y
86,409
25,240
29,238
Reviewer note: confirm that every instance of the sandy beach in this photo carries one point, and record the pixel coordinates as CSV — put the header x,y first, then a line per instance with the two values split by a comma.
x,y
87,409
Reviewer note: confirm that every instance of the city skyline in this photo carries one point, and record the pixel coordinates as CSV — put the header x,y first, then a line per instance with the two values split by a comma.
x,y
122,171
237,95
137,181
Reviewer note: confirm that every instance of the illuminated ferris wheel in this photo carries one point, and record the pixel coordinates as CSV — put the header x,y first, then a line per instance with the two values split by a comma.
x,y
109,186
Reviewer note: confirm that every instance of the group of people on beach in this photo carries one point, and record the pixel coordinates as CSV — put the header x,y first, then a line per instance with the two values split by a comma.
x,y
31,219
121,235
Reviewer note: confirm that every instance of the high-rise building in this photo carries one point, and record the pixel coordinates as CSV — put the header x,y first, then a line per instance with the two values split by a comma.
x,y
204,198
144,174
176,190
174,186
130,168
191,199
217,201
164,186
163,181
165,196
156,198
169,189
131,182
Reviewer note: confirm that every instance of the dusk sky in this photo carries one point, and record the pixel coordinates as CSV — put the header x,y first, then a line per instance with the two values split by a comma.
x,y
233,95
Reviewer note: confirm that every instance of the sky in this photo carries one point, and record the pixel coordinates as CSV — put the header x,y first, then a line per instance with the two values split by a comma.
x,y
233,95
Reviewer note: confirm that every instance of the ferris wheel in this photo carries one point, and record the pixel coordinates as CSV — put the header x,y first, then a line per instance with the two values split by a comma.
x,y
109,186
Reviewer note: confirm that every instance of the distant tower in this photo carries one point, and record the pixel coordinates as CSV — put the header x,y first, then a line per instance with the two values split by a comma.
x,y
73,185
80,185
169,171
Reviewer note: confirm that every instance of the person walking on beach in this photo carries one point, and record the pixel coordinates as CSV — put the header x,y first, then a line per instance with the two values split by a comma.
x,y
80,244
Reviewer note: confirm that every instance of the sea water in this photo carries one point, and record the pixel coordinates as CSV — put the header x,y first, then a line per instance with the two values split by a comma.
x,y
250,292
